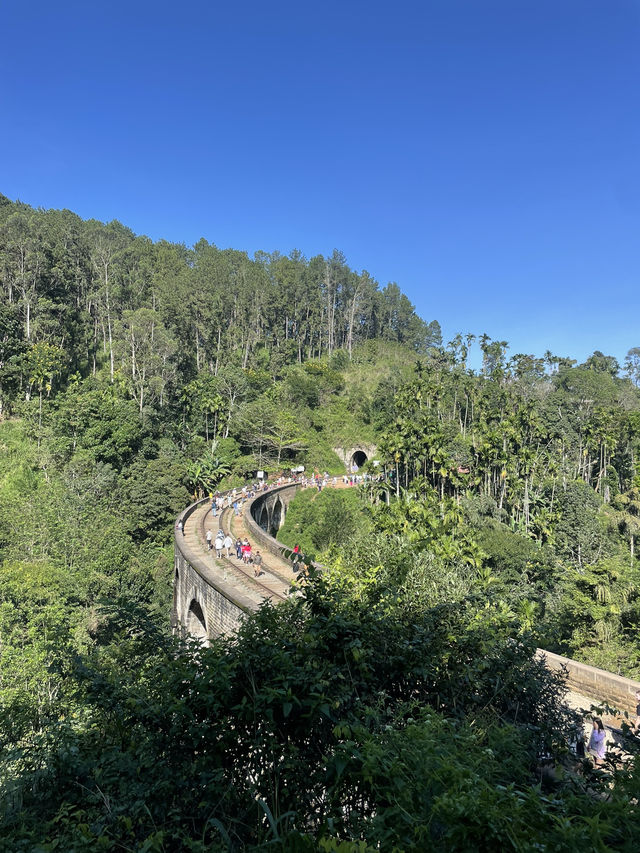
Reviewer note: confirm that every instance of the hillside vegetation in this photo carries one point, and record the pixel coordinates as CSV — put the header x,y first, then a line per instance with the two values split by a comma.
x,y
523,478
396,702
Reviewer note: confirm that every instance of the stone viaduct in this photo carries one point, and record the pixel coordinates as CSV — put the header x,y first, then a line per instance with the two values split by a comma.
x,y
212,597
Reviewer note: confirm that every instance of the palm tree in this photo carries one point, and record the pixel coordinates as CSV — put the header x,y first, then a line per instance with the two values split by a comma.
x,y
205,473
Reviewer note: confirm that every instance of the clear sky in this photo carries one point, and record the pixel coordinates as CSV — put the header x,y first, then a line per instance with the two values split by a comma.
x,y
483,154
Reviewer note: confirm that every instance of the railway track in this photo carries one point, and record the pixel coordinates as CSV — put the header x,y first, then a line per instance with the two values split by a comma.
x,y
270,586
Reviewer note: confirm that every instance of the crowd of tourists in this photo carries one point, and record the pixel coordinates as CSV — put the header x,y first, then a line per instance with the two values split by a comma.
x,y
225,546
236,498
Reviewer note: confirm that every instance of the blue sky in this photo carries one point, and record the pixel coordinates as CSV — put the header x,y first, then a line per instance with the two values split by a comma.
x,y
483,155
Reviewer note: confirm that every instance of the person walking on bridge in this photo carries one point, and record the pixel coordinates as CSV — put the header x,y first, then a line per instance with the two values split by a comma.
x,y
257,564
219,545
209,538
597,742
228,543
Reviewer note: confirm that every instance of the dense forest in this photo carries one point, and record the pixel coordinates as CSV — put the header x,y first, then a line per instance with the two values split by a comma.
x,y
394,703
78,294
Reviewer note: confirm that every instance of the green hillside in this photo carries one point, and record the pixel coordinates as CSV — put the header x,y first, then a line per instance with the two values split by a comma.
x,y
396,702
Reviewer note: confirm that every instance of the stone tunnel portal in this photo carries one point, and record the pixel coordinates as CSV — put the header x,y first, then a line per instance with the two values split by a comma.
x,y
358,459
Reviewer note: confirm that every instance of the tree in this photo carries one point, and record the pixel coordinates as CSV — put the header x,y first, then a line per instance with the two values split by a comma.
x,y
107,244
23,260
98,422
12,349
202,396
632,365
146,350
602,363
269,430
154,495
206,472
44,361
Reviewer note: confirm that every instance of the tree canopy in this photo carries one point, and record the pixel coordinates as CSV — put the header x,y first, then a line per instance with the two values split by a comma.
x,y
396,701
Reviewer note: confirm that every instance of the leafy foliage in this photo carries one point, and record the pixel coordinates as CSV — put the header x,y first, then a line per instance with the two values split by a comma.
x,y
396,702
328,717
317,520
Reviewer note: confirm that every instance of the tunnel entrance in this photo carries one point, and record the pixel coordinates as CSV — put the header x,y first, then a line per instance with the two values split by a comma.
x,y
358,460
196,625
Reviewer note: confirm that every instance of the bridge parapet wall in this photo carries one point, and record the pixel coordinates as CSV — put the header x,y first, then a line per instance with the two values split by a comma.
x,y
222,607
266,500
599,684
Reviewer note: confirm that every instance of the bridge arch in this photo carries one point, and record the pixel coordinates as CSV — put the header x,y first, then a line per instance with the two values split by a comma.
x,y
277,516
196,624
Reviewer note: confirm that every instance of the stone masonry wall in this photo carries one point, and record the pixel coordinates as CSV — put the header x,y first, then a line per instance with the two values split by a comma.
x,y
223,607
267,542
223,615
596,683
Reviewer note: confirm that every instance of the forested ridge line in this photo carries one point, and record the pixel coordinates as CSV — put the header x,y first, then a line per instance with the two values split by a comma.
x,y
75,293
145,372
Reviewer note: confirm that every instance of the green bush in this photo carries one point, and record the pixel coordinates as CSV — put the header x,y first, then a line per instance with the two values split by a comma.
x,y
316,520
369,721
322,458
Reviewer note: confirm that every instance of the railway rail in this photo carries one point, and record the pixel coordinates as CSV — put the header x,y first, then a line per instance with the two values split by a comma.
x,y
238,567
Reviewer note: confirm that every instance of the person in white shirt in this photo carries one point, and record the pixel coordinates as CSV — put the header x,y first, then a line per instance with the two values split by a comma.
x,y
228,543
219,545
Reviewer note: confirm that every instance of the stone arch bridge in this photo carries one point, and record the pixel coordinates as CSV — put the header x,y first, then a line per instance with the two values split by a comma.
x,y
212,596
269,509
